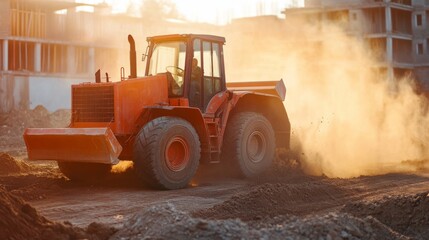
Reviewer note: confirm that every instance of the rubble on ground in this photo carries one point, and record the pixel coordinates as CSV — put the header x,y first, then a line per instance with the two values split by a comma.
x,y
406,214
272,199
9,165
163,221
268,211
19,220
274,206
15,122
29,181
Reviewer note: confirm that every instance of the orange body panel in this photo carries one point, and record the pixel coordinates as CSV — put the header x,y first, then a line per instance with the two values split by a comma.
x,y
183,102
97,145
130,97
276,88
133,95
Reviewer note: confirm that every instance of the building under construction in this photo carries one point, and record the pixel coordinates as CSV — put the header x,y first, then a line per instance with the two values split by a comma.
x,y
395,30
48,45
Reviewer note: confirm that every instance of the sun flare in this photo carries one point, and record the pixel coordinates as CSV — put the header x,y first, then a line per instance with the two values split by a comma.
x,y
206,11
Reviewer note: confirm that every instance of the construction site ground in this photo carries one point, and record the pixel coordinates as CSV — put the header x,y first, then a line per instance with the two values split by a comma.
x,y
37,201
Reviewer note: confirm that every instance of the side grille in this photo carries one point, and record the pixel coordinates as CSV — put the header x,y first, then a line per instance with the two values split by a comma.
x,y
93,104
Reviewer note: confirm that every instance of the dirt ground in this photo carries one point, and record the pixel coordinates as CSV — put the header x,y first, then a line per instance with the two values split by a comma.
x,y
37,201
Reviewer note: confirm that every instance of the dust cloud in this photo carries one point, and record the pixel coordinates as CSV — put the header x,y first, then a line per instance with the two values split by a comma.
x,y
122,167
348,119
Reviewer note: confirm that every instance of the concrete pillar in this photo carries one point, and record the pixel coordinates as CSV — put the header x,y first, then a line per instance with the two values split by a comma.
x,y
389,42
38,57
5,55
71,60
389,49
389,59
388,13
91,60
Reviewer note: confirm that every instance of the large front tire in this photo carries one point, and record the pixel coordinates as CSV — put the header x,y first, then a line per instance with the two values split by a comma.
x,y
249,143
167,153
84,172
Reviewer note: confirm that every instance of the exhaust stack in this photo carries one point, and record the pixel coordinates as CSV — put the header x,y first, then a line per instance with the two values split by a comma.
x,y
133,56
98,76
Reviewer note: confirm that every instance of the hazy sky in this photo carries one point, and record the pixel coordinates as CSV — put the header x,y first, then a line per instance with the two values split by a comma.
x,y
211,11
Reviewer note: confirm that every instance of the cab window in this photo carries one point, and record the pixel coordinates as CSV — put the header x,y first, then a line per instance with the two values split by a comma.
x,y
212,71
169,57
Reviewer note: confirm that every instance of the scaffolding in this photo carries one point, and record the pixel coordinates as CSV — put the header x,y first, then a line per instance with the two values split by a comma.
x,y
26,22
21,55
53,58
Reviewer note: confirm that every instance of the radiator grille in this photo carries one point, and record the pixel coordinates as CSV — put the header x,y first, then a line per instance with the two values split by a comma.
x,y
93,104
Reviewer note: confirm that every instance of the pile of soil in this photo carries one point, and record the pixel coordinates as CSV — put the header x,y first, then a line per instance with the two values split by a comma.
x,y
60,118
19,220
33,186
29,181
332,226
9,165
286,168
283,209
273,199
163,221
406,214
15,122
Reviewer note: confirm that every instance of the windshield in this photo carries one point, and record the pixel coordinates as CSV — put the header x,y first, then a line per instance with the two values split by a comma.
x,y
169,57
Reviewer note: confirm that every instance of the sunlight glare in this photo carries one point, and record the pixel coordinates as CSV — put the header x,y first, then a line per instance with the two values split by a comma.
x,y
208,11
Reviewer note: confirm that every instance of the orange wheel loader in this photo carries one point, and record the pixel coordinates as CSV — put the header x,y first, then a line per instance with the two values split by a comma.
x,y
180,114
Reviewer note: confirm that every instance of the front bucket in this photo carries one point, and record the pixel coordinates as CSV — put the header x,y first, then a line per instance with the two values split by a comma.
x,y
92,145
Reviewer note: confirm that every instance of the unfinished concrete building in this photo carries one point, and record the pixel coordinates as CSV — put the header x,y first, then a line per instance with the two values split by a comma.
x,y
47,45
396,30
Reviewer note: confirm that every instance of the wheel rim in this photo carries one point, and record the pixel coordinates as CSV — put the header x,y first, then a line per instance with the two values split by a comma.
x,y
177,154
256,146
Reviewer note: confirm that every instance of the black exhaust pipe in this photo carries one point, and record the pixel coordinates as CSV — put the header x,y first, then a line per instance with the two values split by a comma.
x,y
98,76
133,57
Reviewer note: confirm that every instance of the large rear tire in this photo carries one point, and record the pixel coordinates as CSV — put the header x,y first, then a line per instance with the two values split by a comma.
x,y
167,153
249,144
84,172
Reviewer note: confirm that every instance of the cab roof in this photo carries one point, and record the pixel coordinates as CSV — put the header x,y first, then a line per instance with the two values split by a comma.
x,y
172,37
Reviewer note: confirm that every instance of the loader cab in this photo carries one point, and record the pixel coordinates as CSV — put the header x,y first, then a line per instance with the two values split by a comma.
x,y
194,65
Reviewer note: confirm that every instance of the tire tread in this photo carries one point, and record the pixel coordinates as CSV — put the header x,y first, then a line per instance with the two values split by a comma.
x,y
145,146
